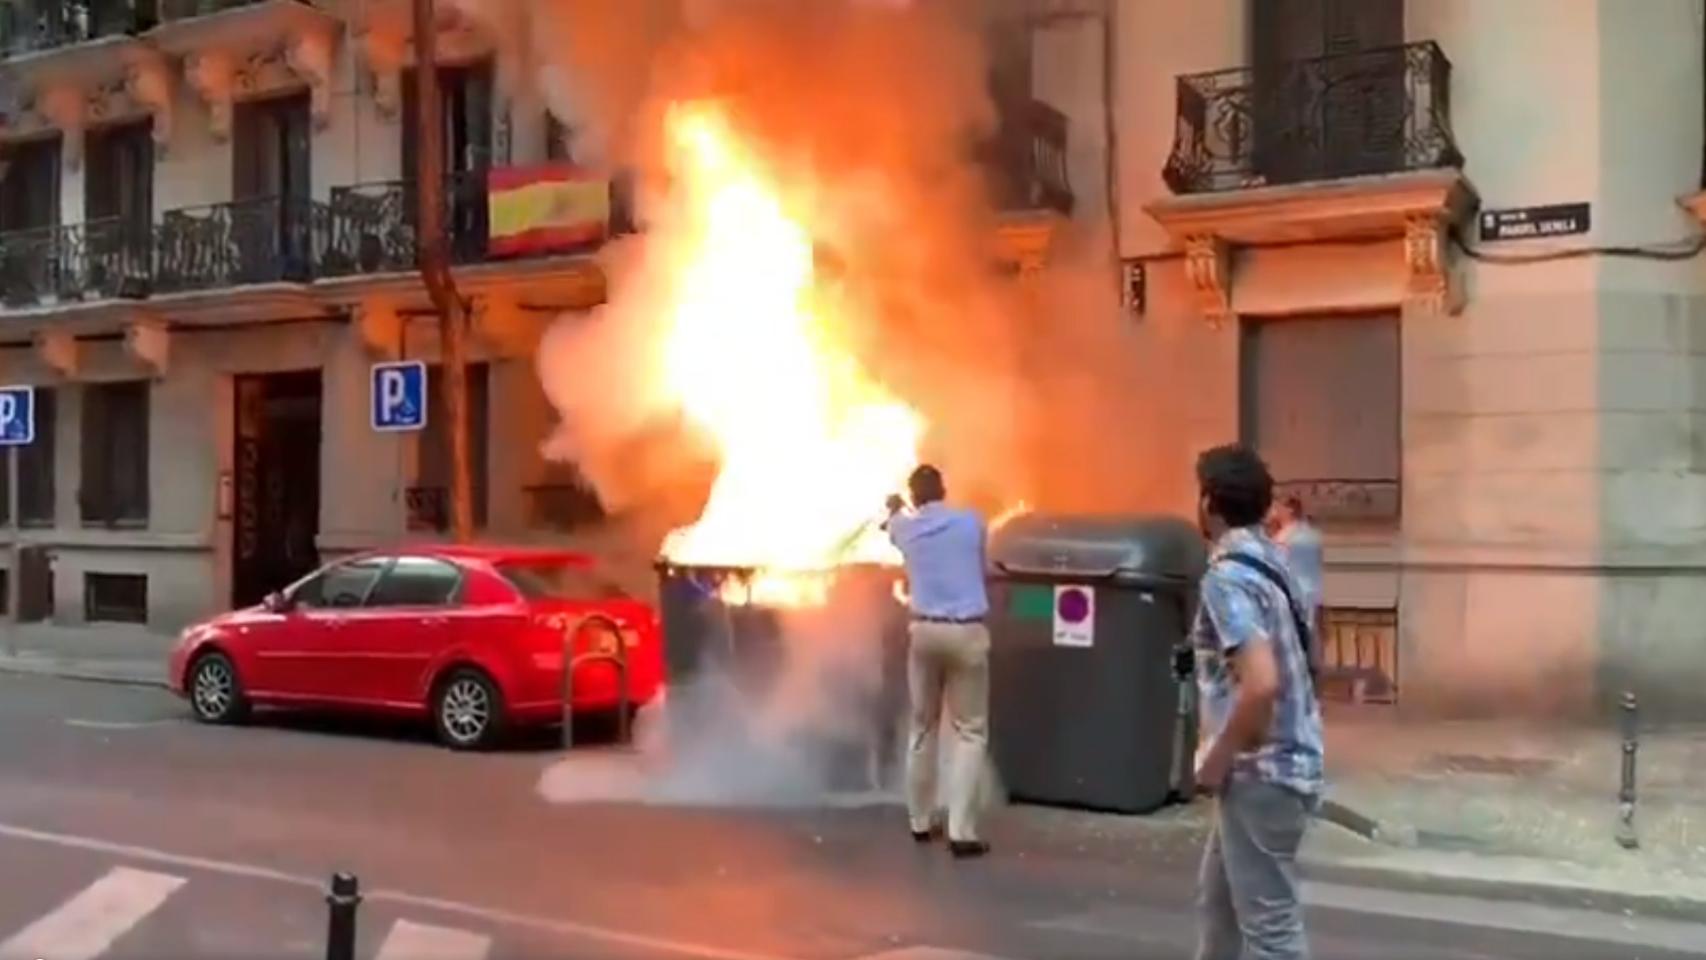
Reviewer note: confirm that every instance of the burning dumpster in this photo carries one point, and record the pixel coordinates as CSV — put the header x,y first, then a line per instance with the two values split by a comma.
x,y
806,670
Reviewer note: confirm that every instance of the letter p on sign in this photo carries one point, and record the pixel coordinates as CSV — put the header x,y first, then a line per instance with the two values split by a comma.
x,y
399,396
17,416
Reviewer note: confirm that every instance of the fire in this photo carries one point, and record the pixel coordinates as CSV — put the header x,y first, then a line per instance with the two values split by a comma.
x,y
809,443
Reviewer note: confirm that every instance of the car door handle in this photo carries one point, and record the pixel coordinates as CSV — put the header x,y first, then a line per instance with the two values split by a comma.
x,y
435,621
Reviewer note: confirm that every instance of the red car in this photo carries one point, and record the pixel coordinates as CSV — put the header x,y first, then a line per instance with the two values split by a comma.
x,y
473,637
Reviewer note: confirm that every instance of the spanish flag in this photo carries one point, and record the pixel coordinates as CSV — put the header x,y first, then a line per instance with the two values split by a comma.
x,y
545,209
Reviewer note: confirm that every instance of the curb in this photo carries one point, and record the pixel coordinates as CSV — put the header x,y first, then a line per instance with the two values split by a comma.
x,y
1416,880
25,668
1655,906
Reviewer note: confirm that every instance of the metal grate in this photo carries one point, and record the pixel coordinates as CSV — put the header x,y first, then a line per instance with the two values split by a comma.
x,y
1359,655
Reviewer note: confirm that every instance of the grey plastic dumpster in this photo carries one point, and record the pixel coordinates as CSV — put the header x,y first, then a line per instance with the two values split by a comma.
x,y
1091,702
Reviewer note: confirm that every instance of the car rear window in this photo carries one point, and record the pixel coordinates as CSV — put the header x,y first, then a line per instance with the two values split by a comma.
x,y
559,581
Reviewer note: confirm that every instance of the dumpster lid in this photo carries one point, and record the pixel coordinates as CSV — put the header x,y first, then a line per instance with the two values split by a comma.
x,y
1148,547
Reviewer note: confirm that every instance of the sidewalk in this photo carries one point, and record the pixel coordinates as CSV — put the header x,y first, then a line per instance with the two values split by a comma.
x,y
1515,809
113,653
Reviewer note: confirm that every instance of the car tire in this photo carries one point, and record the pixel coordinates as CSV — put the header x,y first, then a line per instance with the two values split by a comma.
x,y
467,710
215,691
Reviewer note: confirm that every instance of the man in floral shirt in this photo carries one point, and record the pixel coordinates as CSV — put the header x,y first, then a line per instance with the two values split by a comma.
x,y
1262,757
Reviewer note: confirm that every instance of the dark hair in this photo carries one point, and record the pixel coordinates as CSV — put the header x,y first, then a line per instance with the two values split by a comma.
x,y
926,486
1237,484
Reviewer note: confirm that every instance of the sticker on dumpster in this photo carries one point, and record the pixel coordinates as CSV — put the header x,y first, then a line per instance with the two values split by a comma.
x,y
1074,616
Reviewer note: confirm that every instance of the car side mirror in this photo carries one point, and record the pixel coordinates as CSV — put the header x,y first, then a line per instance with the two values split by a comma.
x,y
276,602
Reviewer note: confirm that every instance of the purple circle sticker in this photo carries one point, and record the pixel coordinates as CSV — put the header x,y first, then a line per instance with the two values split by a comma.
x,y
1073,605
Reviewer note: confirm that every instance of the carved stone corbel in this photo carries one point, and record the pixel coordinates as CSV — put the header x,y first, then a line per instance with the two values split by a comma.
x,y
1208,267
380,327
148,81
213,76
386,47
309,56
1429,281
150,344
67,108
58,349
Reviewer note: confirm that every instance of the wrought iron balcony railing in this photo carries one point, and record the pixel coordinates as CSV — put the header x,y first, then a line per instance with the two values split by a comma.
x,y
262,240
373,224
31,25
1373,112
1027,159
372,227
95,260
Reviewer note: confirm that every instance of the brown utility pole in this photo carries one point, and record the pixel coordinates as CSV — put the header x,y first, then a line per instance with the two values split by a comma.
x,y
434,254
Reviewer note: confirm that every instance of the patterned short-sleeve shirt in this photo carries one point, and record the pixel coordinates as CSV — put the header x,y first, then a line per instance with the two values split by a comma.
x,y
1240,606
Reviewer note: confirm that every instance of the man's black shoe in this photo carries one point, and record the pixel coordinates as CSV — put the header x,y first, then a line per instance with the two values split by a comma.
x,y
967,849
925,836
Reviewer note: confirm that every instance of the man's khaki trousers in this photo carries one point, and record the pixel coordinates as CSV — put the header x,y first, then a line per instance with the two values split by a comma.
x,y
948,674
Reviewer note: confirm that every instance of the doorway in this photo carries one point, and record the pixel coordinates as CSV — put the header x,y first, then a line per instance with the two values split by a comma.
x,y
276,483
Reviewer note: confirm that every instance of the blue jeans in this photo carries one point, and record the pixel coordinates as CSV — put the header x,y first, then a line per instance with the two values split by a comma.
x,y
1247,893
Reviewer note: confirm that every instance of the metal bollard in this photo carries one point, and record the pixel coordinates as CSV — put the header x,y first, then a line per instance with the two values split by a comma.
x,y
341,902
1631,722
571,662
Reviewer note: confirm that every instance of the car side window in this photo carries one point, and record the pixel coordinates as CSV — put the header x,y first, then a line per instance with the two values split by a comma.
x,y
344,586
417,582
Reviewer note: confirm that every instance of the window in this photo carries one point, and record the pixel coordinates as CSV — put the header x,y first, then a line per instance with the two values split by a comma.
x,y
115,454
434,465
341,587
115,598
1320,401
1325,118
467,98
559,141
417,582
30,197
36,488
559,581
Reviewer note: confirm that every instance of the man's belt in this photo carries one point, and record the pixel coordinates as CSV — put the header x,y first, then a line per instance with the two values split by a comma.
x,y
952,621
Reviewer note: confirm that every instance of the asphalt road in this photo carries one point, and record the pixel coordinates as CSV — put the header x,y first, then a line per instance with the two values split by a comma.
x,y
127,831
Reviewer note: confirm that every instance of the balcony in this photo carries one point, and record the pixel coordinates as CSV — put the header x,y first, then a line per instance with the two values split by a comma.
x,y
32,26
1375,112
101,259
1027,159
373,224
262,240
1348,148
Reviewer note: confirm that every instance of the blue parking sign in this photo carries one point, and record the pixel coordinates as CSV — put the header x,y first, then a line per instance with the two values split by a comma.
x,y
17,416
399,396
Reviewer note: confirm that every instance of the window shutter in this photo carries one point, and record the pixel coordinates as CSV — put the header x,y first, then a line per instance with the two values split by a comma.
x,y
35,465
94,494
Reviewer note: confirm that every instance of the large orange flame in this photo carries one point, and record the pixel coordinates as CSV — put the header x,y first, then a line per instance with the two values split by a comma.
x,y
809,443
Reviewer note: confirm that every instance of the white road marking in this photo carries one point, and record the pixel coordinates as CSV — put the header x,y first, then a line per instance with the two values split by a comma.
x,y
929,953
420,941
86,925
1571,924
497,918
113,724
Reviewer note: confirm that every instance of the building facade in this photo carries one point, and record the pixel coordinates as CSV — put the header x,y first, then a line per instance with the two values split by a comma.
x,y
207,242
1499,425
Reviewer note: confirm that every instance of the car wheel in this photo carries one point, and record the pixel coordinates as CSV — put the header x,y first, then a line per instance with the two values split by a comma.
x,y
467,710
216,694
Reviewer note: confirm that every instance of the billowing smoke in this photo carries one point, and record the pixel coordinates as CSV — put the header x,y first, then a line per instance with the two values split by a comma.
x,y
869,113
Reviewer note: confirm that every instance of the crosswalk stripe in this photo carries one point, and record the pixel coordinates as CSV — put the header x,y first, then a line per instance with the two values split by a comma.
x,y
422,941
84,926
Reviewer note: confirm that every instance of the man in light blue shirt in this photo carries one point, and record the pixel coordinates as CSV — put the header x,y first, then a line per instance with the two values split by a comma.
x,y
948,663
1305,554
